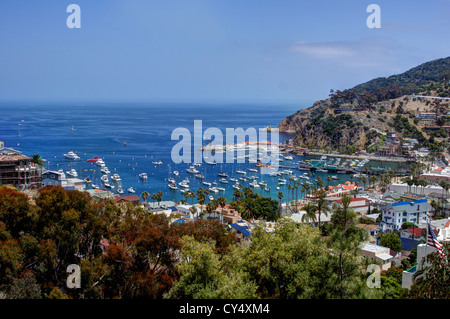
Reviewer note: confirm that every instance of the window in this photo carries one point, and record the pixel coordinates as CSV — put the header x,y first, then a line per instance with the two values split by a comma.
x,y
405,213
404,220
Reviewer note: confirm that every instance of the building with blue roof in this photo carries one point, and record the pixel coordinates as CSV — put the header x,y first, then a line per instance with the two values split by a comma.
x,y
409,244
243,232
395,214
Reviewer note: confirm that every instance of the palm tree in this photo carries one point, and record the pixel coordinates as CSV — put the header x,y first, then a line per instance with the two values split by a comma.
x,y
37,159
329,179
280,197
320,182
310,214
289,193
321,206
373,179
222,202
145,195
159,195
193,210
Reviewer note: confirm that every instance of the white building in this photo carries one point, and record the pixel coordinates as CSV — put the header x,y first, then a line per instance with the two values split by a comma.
x,y
377,253
404,188
395,214
408,275
443,228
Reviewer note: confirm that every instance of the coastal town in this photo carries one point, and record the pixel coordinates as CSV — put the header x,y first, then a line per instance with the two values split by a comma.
x,y
403,205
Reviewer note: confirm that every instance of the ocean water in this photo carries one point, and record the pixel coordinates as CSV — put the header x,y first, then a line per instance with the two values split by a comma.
x,y
102,130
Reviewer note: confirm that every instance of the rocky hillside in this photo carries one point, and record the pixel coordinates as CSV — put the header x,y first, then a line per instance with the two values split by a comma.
x,y
359,118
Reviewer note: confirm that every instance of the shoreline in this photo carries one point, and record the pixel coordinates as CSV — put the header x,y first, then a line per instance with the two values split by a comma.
x,y
361,157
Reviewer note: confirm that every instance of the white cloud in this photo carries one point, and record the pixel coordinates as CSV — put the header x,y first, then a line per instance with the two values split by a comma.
x,y
370,52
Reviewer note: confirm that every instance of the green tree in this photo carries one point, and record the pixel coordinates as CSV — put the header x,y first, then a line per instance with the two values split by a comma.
x,y
347,279
391,241
205,275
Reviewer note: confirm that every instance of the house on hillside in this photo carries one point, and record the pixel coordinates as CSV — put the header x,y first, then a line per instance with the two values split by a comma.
x,y
377,253
395,214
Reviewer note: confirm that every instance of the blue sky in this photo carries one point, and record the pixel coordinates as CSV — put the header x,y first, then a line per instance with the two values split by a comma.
x,y
248,50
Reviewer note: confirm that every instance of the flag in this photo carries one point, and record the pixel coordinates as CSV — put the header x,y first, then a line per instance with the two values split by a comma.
x,y
433,242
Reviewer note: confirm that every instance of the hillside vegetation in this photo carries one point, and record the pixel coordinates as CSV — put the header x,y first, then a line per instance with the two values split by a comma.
x,y
359,118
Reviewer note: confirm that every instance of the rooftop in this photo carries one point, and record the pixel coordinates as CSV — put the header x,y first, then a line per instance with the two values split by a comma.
x,y
374,248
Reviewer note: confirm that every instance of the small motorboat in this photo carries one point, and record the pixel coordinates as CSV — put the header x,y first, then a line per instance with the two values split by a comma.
x,y
120,190
211,197
71,155
100,162
105,170
176,173
116,178
200,176
157,163
223,175
171,181
254,170
192,170
93,160
207,183
173,186
72,173
223,181
214,189
143,175
131,190
183,184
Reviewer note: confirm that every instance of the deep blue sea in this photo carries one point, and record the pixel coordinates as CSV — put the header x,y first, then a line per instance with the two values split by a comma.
x,y
102,129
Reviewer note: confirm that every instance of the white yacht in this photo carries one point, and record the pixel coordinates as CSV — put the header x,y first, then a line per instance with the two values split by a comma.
x,y
104,179
71,155
183,184
241,172
100,163
254,170
120,190
131,190
211,197
116,178
105,170
143,175
207,183
254,184
199,176
288,157
192,170
157,163
223,181
107,185
173,186
72,173
171,181
176,173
